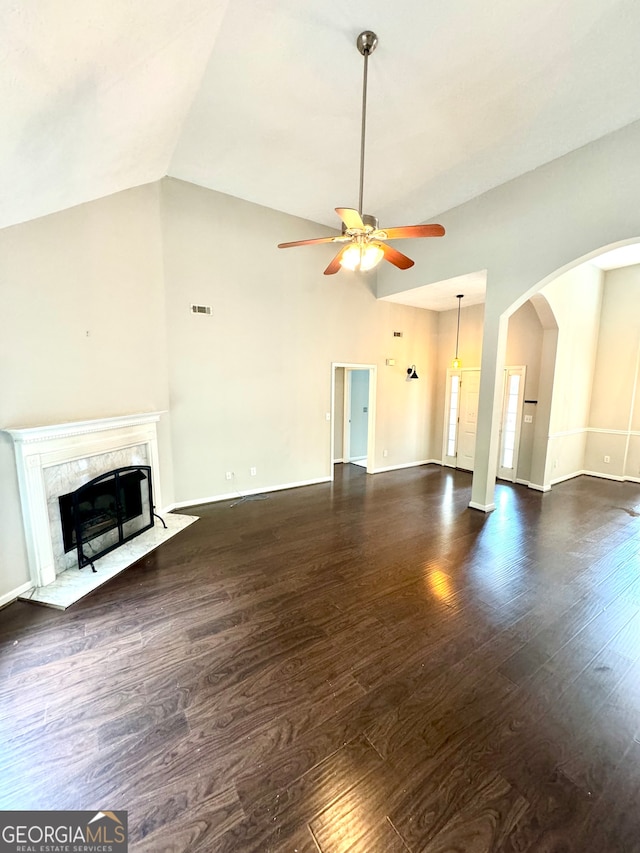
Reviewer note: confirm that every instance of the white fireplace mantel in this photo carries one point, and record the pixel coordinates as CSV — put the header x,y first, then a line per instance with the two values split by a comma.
x,y
41,447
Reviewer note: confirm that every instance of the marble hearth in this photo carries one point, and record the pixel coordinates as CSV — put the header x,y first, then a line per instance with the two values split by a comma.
x,y
57,459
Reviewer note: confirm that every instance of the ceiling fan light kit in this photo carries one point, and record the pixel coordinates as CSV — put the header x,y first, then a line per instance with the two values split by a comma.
x,y
365,240
361,256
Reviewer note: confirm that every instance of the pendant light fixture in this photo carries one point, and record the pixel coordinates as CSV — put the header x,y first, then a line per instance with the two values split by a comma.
x,y
457,364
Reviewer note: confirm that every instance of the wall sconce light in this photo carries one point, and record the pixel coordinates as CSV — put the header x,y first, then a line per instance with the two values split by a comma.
x,y
457,364
411,372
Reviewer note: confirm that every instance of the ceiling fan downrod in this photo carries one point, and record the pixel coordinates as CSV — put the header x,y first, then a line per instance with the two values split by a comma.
x,y
367,42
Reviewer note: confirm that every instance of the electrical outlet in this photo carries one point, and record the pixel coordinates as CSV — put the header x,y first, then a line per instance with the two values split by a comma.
x,y
607,459
555,463
229,475
253,472
528,419
385,452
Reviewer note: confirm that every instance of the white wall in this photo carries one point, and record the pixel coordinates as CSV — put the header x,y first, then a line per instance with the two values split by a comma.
x,y
614,418
82,332
575,299
524,347
251,384
524,234
584,379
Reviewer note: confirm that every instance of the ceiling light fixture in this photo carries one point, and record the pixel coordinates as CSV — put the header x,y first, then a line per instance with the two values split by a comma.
x,y
361,256
457,364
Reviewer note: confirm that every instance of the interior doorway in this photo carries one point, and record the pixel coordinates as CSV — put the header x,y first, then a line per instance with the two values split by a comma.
x,y
353,389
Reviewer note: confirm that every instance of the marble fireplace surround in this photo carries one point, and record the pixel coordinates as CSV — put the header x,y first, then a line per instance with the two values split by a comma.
x,y
52,460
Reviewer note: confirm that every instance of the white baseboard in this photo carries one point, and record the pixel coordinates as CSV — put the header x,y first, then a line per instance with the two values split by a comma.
x,y
338,461
565,477
8,597
245,493
615,477
406,465
538,487
238,494
227,496
482,507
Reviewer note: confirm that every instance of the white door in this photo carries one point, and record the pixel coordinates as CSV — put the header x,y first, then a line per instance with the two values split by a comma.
x,y
461,418
468,423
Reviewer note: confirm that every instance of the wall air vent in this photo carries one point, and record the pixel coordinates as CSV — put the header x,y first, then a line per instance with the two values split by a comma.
x,y
201,309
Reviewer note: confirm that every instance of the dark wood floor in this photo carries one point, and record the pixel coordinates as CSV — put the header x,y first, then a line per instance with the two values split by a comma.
x,y
369,666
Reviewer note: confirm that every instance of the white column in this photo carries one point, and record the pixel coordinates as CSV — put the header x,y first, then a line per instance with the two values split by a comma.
x,y
494,347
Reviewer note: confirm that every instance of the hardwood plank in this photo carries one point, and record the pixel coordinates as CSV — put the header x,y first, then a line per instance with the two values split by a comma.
x,y
481,823
180,822
280,769
344,824
615,822
320,785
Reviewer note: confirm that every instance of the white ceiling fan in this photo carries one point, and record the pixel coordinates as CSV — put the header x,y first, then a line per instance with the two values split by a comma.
x,y
364,241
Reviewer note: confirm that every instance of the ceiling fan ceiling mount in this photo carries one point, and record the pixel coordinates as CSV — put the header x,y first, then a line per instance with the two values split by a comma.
x,y
369,225
367,42
364,247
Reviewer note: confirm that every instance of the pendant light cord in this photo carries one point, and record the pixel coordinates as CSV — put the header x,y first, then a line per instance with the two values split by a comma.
x,y
364,122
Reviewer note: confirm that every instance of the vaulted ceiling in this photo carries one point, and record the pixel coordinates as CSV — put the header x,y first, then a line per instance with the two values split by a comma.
x,y
261,98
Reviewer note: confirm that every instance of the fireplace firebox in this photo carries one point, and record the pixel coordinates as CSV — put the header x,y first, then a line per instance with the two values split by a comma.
x,y
106,512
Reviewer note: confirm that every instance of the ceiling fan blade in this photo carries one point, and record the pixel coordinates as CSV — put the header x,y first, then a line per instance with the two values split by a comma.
x,y
335,239
404,231
334,266
395,257
351,218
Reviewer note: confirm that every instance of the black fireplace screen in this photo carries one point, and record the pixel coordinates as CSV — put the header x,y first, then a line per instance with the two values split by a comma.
x,y
107,511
